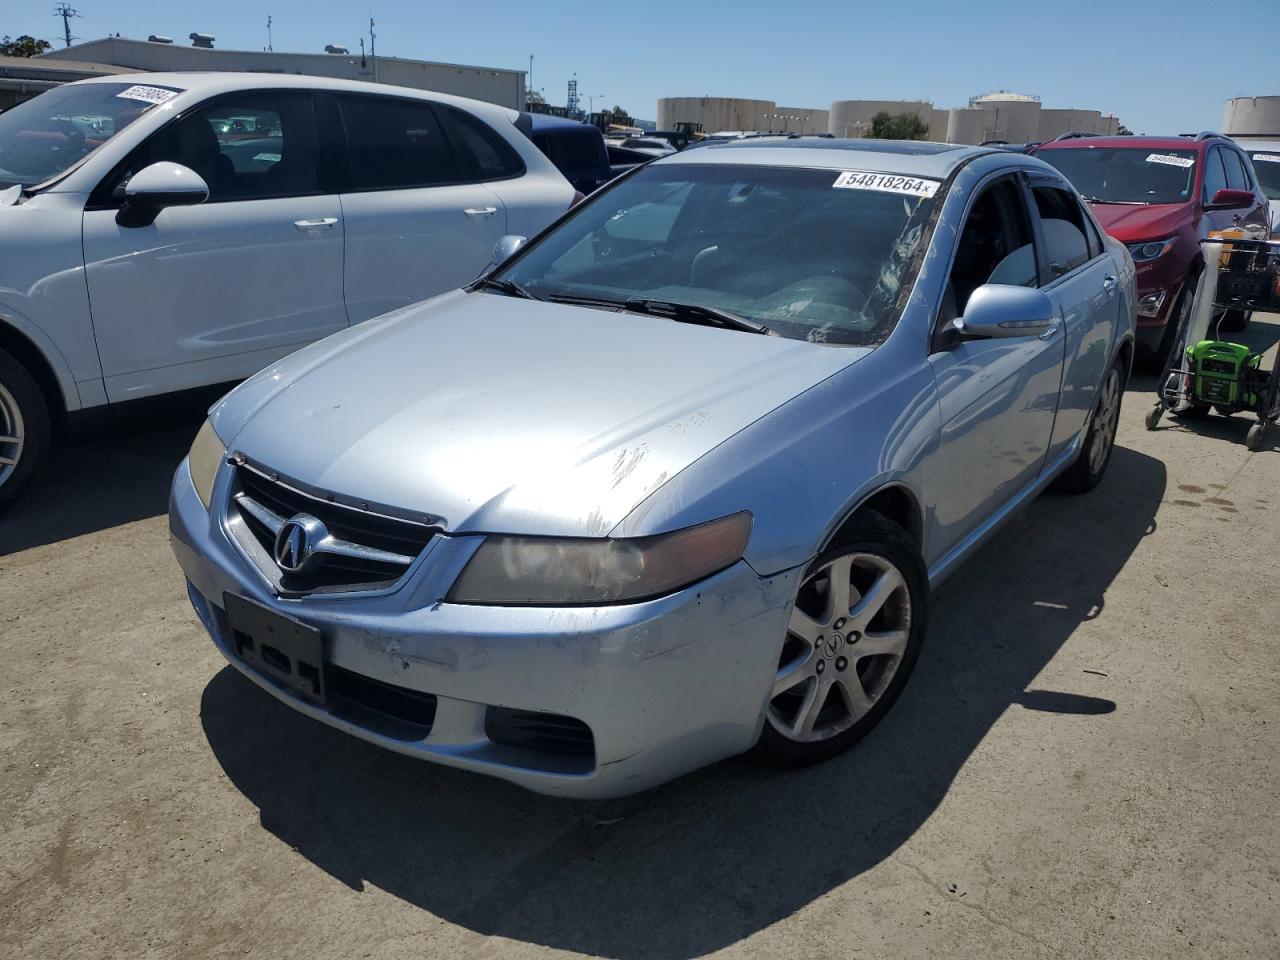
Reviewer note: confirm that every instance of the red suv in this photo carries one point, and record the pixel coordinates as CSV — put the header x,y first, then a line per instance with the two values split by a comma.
x,y
1160,196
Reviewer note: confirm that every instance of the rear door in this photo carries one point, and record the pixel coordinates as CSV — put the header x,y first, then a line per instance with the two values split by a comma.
x,y
1078,276
217,291
419,220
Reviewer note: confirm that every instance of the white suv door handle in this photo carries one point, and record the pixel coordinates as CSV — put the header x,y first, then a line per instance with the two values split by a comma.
x,y
475,213
1109,283
315,222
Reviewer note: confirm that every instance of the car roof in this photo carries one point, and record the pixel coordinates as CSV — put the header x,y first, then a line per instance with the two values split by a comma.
x,y
213,82
910,157
545,121
1138,143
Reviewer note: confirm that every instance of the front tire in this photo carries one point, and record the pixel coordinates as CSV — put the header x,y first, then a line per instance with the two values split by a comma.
x,y
25,428
853,639
1087,469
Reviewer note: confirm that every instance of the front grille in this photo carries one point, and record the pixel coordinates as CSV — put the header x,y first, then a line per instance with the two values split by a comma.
x,y
544,733
364,550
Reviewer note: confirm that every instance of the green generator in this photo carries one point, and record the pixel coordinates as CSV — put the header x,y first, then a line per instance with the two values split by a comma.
x,y
1225,375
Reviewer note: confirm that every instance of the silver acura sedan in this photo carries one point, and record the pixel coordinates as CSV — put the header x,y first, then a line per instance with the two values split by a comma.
x,y
673,481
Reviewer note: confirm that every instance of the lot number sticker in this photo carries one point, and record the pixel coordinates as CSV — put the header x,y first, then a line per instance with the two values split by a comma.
x,y
1169,160
147,94
886,183
1267,157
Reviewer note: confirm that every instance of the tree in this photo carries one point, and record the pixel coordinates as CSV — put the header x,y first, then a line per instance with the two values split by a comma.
x,y
23,46
897,126
617,111
533,96
1123,131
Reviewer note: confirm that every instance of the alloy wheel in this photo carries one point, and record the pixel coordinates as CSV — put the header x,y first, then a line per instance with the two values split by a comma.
x,y
12,434
845,642
1106,420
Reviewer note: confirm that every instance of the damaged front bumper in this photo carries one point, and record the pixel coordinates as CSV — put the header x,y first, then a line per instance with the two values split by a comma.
x,y
574,701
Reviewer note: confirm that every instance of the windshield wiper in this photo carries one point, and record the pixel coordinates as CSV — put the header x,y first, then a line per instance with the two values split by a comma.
x,y
680,312
509,287
696,313
1119,203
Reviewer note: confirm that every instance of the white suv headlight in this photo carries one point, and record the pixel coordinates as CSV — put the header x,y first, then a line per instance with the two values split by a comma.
x,y
548,571
207,454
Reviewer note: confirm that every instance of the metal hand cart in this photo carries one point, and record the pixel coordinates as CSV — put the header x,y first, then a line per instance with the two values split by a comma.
x,y
1203,373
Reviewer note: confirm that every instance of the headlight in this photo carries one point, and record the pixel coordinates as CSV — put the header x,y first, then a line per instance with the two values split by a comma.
x,y
1142,252
544,570
207,454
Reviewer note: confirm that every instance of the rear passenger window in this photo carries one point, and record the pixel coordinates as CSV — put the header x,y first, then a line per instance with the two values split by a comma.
x,y
1065,231
481,153
1215,177
395,144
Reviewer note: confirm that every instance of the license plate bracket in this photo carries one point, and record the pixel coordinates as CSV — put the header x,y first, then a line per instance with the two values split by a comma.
x,y
284,650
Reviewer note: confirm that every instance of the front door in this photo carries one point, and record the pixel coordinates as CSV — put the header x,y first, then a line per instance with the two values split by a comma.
x,y
997,398
217,291
413,228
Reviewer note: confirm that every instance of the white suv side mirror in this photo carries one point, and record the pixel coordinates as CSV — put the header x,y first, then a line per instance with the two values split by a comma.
x,y
160,185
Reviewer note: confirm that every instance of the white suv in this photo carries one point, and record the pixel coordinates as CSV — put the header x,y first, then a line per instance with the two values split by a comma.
x,y
166,231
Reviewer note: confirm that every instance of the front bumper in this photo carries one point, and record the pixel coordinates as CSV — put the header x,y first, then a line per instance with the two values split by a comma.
x,y
665,686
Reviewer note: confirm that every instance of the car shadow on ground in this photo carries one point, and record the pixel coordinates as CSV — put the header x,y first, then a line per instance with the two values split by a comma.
x,y
705,861
110,466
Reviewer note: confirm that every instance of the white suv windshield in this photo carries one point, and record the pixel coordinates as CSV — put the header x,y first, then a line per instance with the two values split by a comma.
x,y
45,136
813,254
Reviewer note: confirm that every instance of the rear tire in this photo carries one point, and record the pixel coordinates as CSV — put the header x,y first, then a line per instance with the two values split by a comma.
x,y
25,428
1090,464
853,639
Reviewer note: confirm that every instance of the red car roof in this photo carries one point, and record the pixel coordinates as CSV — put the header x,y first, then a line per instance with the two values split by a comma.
x,y
1141,143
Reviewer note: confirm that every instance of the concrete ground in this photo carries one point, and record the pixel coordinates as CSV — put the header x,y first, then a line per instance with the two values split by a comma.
x,y
1085,764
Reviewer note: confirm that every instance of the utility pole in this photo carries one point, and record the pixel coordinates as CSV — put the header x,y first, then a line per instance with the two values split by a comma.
x,y
373,50
529,84
65,11
270,48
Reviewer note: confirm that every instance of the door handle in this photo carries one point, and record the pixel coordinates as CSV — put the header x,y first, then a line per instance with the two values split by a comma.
x,y
1049,332
1109,283
315,222
476,213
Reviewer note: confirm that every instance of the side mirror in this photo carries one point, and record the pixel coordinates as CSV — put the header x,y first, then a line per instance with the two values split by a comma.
x,y
996,311
1232,200
506,248
160,185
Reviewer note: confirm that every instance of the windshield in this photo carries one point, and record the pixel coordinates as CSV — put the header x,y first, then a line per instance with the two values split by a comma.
x,y
1127,174
812,254
42,137
1267,167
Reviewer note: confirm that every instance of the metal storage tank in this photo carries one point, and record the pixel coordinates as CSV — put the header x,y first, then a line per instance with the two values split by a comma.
x,y
1109,126
1252,117
1017,115
716,113
1054,122
852,118
807,120
970,125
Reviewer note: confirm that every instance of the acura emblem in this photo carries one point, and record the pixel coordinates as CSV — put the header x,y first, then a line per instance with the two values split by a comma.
x,y
296,542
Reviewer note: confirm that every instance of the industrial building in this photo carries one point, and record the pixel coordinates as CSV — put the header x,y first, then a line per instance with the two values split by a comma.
x,y
710,114
1011,117
22,78
1256,118
493,84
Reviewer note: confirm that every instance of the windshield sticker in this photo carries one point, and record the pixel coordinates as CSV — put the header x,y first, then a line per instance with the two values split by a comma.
x,y
1169,160
147,94
886,183
1267,157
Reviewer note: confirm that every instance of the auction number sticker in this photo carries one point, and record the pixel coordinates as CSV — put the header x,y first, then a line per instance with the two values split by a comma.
x,y
886,183
1267,157
147,94
1169,160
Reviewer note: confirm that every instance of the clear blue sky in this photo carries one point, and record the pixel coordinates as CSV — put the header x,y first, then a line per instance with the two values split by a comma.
x,y
1155,65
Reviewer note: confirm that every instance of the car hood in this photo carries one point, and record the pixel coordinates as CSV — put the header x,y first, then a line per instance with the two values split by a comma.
x,y
491,413
1133,224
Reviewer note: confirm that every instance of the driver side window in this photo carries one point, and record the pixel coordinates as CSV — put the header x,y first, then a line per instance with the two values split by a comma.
x,y
995,246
